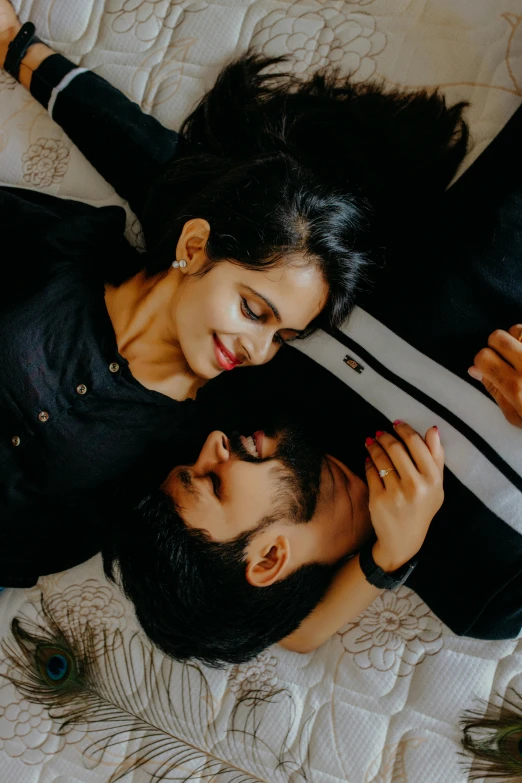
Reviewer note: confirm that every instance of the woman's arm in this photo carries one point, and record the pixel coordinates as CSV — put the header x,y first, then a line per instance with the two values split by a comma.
x,y
128,147
402,506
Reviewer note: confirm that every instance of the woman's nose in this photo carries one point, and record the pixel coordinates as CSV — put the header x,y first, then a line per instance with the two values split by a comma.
x,y
261,347
215,451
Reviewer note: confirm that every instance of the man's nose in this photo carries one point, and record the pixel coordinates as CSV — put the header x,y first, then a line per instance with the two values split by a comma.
x,y
215,452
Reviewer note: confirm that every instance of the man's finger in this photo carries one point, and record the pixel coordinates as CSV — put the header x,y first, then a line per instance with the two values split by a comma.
x,y
516,332
507,346
500,374
505,406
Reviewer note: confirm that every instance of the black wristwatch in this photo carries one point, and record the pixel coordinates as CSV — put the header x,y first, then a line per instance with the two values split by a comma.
x,y
18,47
379,578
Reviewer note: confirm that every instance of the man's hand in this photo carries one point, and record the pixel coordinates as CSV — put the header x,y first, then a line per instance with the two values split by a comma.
x,y
9,27
499,368
403,503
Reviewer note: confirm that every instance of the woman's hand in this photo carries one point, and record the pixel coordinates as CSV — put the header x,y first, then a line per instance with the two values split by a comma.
x,y
9,27
403,503
499,368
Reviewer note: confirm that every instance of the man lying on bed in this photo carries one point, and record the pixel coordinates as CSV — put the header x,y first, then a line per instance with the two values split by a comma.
x,y
233,552
265,537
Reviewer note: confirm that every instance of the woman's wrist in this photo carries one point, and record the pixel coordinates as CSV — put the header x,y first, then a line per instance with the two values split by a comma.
x,y
384,560
6,36
34,57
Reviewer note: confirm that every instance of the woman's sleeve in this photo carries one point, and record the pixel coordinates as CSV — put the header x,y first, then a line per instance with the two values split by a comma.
x,y
128,147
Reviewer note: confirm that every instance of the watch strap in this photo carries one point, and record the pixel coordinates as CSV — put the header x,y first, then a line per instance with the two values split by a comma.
x,y
379,578
18,47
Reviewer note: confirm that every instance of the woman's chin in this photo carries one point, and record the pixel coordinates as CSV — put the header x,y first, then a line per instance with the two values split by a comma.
x,y
205,371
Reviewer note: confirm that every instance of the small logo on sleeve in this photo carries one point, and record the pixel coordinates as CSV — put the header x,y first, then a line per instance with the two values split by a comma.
x,y
353,364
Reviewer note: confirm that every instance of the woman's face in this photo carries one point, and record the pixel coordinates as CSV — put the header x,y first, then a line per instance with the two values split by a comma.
x,y
232,316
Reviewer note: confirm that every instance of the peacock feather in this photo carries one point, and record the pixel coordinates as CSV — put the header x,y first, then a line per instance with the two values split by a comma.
x,y
142,710
494,738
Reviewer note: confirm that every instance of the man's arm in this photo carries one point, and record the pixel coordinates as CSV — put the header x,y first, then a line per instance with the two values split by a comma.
x,y
349,594
402,505
128,147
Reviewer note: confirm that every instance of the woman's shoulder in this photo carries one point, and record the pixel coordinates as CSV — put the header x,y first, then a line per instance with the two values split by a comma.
x,y
46,234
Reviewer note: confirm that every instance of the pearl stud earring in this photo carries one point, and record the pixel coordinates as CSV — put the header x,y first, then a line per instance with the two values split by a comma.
x,y
177,264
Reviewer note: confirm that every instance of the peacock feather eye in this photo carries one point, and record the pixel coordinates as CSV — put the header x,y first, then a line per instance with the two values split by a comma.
x,y
55,664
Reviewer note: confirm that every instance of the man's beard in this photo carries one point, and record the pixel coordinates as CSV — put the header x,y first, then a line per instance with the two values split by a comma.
x,y
302,465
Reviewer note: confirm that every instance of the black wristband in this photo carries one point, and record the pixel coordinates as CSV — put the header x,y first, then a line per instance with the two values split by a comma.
x,y
18,47
379,578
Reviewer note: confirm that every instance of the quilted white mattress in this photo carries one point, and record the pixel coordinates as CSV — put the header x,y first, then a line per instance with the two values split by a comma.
x,y
380,702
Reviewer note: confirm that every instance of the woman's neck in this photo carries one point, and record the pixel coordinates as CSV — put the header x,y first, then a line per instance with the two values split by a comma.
x,y
146,337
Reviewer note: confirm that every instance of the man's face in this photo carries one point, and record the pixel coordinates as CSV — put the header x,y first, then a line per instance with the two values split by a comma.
x,y
238,482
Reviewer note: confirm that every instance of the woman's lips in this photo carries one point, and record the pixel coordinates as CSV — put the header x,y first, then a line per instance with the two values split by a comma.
x,y
225,359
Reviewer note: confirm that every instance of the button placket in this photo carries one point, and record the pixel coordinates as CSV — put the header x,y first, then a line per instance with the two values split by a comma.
x,y
81,388
15,440
114,367
43,416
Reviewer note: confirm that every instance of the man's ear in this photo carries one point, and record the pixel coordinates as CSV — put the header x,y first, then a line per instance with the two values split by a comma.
x,y
269,564
191,244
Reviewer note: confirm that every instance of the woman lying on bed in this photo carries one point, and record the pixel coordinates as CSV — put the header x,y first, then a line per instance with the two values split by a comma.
x,y
258,225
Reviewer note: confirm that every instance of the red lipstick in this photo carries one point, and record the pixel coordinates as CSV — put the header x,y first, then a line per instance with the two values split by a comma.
x,y
225,358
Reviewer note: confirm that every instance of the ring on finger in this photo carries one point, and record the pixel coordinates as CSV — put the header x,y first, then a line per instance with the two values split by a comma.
x,y
384,473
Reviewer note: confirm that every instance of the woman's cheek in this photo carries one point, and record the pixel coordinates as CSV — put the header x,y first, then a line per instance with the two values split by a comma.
x,y
225,316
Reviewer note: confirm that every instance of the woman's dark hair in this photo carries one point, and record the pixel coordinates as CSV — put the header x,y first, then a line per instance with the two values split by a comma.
x,y
190,593
322,169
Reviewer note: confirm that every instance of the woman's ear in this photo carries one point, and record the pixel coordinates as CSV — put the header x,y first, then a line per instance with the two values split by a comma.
x,y
269,564
191,244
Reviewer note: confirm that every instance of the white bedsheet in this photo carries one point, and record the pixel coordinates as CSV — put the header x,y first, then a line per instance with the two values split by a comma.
x,y
380,702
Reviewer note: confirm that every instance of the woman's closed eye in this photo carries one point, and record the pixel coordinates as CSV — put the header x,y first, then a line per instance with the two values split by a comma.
x,y
248,312
279,337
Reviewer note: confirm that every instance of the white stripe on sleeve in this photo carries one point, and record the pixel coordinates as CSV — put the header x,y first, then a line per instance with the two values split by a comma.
x,y
460,397
67,79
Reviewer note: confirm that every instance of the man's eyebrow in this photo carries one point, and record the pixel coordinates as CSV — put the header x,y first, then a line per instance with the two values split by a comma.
x,y
186,481
272,307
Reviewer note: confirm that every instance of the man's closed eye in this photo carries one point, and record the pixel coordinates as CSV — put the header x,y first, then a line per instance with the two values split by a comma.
x,y
216,483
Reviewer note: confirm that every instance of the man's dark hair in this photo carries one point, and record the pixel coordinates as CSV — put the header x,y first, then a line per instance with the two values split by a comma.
x,y
190,593
322,168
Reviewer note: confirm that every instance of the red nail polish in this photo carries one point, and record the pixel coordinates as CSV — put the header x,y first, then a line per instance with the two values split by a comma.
x,y
397,422
436,429
369,441
367,460
379,433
